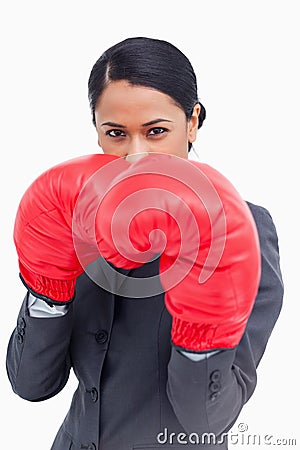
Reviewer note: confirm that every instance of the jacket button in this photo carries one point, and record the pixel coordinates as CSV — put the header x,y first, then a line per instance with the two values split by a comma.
x,y
94,394
20,338
214,395
21,323
91,446
214,387
101,336
21,331
215,375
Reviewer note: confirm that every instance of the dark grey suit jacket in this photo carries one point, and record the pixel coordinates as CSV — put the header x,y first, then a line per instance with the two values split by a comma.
x,y
134,388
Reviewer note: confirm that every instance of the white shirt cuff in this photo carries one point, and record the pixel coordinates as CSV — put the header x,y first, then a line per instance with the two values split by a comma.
x,y
198,356
39,308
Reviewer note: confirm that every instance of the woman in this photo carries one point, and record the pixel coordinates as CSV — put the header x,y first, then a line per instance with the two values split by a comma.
x,y
137,387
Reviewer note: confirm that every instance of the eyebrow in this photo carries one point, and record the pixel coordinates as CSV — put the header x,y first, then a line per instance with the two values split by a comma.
x,y
152,122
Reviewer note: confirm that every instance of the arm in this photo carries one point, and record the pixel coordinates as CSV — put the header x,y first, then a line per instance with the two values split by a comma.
x,y
38,362
207,396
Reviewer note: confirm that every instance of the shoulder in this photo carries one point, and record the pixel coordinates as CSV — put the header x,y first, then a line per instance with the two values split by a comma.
x,y
268,239
266,229
258,211
263,220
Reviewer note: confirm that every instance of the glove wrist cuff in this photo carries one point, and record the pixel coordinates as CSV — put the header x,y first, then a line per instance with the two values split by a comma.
x,y
196,337
48,289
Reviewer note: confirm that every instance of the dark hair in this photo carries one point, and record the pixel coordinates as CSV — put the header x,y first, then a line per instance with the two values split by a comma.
x,y
147,62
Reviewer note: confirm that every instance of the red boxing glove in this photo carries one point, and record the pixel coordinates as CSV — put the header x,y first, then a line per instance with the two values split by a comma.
x,y
206,235
43,229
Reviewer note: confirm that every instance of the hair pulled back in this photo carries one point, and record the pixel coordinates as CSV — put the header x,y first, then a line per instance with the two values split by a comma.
x,y
151,63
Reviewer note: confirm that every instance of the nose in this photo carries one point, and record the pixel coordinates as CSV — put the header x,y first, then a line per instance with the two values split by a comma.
x,y
136,146
133,157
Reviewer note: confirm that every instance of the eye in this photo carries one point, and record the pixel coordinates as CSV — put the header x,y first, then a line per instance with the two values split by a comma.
x,y
115,133
156,131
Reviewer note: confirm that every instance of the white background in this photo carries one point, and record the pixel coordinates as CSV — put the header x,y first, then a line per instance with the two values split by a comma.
x,y
246,57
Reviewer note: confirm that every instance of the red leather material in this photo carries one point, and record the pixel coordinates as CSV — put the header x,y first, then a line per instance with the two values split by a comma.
x,y
43,233
210,257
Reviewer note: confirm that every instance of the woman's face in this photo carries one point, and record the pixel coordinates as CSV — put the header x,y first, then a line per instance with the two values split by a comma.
x,y
135,119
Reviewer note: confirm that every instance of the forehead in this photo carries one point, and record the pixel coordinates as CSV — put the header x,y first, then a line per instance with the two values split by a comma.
x,y
120,98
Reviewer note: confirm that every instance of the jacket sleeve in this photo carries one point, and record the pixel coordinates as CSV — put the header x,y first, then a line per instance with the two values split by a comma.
x,y
207,396
38,362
